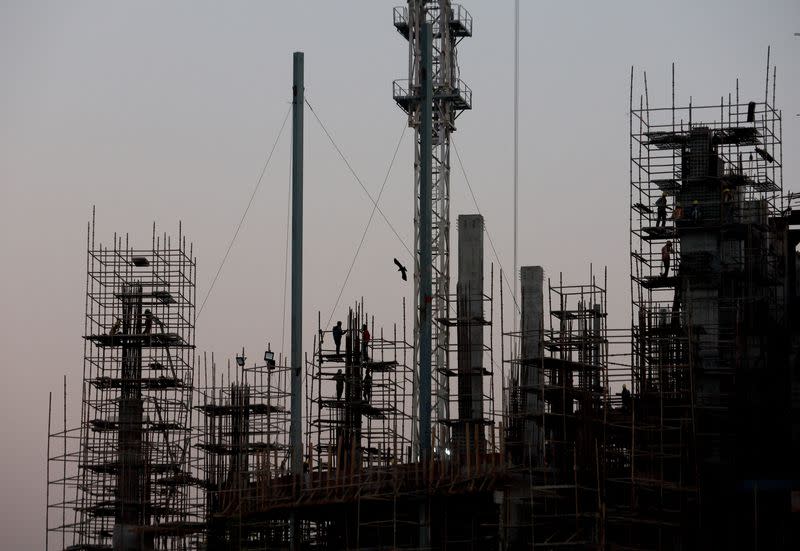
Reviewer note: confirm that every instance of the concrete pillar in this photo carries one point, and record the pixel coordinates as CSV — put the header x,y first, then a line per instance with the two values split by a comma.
x,y
470,333
131,491
531,375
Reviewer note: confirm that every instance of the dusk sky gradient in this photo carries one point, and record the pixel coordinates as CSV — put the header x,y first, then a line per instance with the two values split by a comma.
x,y
166,111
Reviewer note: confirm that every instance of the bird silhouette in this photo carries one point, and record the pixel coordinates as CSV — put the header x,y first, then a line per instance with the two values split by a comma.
x,y
402,269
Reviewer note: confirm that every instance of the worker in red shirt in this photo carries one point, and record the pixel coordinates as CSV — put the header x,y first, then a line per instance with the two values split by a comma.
x,y
666,256
365,338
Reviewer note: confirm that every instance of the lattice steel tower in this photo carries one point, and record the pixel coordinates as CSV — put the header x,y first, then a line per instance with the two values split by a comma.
x,y
451,97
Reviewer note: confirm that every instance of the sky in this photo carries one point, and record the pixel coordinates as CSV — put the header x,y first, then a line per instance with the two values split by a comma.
x,y
166,111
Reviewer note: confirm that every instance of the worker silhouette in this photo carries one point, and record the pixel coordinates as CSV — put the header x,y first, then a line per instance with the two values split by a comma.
x,y
365,338
337,336
366,386
149,319
626,399
339,378
666,257
661,210
115,328
727,205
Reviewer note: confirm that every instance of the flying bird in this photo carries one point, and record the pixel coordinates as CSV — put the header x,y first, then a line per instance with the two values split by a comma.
x,y
402,269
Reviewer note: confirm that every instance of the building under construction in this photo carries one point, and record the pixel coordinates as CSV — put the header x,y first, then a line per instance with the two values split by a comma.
x,y
450,430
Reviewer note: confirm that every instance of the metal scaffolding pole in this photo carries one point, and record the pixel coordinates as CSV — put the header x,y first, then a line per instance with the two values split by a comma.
x,y
295,431
297,265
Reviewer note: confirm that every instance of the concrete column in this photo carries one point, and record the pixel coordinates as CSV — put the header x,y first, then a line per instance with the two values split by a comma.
x,y
132,498
531,376
470,300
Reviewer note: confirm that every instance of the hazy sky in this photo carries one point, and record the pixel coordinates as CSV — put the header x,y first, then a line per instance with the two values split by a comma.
x,y
165,111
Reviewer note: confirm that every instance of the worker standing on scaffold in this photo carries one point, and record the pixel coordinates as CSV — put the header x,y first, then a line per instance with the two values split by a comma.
x,y
367,386
727,205
339,378
365,338
661,212
337,336
666,256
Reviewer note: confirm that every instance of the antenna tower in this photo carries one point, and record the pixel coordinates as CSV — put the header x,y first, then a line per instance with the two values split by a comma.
x,y
451,97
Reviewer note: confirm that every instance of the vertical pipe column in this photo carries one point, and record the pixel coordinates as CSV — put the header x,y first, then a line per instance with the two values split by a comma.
x,y
425,232
295,429
298,99
532,279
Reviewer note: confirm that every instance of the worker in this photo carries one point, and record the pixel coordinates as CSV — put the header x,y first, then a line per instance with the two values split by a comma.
x,y
115,327
677,212
696,214
661,212
626,398
666,256
727,205
367,386
339,378
337,336
149,318
365,338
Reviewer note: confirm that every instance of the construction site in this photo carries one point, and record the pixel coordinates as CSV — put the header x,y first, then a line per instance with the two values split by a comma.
x,y
484,419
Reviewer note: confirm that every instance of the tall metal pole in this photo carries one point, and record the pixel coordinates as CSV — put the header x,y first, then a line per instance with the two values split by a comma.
x,y
295,434
516,154
298,98
425,259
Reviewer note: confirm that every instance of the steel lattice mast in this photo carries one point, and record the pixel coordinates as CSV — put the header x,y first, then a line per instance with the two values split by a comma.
x,y
451,97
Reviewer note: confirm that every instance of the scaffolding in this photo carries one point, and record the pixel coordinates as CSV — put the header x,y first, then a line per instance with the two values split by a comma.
x,y
244,437
359,425
126,471
557,495
474,401
706,184
359,396
362,486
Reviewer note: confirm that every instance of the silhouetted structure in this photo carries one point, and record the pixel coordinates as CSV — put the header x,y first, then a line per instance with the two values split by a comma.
x,y
681,431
